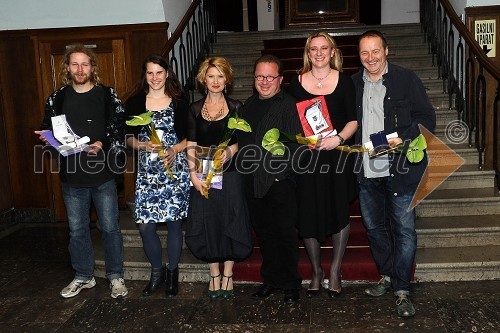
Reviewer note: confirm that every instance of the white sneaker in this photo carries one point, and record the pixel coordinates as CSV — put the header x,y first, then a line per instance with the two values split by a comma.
x,y
76,286
118,289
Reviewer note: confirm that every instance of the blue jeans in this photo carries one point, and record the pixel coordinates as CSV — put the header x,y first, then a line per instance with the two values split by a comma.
x,y
77,200
390,228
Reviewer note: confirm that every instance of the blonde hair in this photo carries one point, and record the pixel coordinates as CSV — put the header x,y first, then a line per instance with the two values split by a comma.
x,y
335,61
65,75
222,65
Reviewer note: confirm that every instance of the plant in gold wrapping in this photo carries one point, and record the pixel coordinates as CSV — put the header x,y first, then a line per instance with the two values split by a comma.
x,y
273,141
234,123
146,120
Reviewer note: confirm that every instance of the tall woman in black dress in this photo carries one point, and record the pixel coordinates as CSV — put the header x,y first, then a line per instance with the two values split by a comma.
x,y
324,195
218,228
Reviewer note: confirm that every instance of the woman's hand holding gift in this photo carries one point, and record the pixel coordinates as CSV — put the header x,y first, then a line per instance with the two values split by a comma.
x,y
198,184
328,143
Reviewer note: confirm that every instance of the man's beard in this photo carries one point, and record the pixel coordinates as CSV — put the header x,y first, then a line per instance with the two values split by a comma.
x,y
80,80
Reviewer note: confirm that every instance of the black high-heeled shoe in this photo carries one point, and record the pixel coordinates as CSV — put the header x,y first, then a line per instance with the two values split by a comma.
x,y
158,276
225,293
213,294
172,286
314,292
332,293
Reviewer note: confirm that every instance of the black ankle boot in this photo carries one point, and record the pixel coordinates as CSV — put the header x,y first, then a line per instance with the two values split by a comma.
x,y
172,287
157,278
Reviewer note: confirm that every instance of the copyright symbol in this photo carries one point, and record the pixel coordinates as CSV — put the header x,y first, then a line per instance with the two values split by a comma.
x,y
457,132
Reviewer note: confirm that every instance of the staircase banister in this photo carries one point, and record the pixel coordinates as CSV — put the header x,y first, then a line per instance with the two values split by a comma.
x,y
180,28
471,42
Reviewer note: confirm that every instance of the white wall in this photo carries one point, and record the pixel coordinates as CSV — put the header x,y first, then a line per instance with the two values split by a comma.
x,y
174,10
267,15
407,11
33,14
477,3
459,6
399,11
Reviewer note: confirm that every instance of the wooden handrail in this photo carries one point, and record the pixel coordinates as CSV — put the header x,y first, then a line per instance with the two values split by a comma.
x,y
471,42
180,28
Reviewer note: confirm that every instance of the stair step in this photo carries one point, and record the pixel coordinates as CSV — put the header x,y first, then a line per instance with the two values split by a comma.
x,y
357,265
455,231
411,60
458,263
433,84
425,73
438,99
409,49
137,266
445,116
460,202
466,177
470,155
398,30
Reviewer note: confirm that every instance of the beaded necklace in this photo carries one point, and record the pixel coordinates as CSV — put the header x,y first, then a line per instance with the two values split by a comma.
x,y
206,115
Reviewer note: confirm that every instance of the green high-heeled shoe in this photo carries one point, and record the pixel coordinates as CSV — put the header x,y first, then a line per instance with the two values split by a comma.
x,y
213,294
225,293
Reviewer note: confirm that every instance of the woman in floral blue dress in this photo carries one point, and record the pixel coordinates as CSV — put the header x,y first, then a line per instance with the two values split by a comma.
x,y
159,197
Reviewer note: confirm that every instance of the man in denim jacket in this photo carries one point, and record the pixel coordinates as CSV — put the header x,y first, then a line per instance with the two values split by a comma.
x,y
95,111
391,99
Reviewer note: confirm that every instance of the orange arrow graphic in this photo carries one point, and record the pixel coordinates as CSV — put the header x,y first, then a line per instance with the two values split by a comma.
x,y
443,161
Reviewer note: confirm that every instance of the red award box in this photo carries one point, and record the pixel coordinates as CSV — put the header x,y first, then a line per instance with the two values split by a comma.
x,y
314,117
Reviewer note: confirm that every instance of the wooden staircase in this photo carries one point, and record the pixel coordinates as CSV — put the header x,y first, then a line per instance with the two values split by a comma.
x,y
458,224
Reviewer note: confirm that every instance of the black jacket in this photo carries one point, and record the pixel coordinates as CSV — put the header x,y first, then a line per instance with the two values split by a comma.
x,y
136,105
406,105
282,115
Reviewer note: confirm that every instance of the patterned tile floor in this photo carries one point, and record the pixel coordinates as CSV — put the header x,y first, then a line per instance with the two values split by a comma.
x,y
34,267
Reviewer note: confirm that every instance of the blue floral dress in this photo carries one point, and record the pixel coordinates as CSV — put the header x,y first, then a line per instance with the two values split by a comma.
x,y
158,198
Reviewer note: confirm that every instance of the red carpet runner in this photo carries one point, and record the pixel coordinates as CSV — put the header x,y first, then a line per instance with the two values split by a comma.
x,y
357,264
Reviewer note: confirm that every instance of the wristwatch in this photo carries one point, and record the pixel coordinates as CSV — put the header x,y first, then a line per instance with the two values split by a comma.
x,y
341,139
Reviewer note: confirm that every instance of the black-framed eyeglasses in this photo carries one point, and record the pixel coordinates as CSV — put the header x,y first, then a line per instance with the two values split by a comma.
x,y
268,78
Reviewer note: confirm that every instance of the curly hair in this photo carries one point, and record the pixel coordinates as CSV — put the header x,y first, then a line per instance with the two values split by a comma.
x,y
335,61
65,75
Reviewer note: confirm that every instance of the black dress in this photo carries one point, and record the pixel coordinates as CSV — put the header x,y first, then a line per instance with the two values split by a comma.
x,y
325,191
218,228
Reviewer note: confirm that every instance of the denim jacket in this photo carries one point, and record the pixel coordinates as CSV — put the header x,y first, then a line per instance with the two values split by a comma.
x,y
406,105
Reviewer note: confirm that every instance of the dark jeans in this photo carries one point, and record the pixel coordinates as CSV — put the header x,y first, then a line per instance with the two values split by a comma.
x,y
391,230
273,218
77,200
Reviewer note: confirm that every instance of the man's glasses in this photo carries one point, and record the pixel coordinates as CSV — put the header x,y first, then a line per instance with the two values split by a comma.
x,y
268,78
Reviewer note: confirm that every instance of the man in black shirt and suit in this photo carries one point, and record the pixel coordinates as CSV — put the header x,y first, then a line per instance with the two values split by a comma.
x,y
269,180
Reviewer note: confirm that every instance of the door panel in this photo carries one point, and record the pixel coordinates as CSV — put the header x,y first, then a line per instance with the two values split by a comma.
x,y
314,12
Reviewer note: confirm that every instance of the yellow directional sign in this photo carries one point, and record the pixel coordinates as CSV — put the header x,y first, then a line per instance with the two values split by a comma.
x,y
485,33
